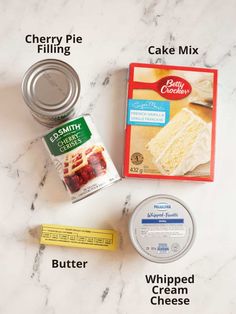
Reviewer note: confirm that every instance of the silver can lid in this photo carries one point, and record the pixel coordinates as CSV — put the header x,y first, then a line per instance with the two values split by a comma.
x,y
50,87
162,229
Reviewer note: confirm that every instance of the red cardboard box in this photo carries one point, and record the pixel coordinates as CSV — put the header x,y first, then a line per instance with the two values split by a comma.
x,y
170,123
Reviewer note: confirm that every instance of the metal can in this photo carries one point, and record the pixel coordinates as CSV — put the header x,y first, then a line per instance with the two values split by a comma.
x,y
162,228
51,89
80,157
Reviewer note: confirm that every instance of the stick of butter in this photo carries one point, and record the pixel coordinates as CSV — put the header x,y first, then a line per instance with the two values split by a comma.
x,y
88,238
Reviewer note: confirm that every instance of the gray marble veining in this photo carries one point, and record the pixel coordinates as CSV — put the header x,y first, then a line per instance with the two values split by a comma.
x,y
115,33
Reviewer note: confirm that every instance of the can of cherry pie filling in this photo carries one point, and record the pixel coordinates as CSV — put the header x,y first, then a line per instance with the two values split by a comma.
x,y
51,89
80,157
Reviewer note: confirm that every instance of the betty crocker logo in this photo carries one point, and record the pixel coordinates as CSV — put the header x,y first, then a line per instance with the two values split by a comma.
x,y
173,87
170,87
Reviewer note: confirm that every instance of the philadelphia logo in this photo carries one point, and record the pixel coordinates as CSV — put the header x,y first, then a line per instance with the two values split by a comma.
x,y
162,206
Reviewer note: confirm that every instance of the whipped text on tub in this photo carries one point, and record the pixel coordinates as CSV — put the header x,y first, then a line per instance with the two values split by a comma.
x,y
161,215
171,286
53,44
181,50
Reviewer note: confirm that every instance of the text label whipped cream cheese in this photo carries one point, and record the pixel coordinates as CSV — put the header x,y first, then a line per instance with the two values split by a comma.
x,y
162,228
80,157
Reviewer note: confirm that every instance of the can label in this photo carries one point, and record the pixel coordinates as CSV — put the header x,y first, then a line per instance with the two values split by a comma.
x,y
80,157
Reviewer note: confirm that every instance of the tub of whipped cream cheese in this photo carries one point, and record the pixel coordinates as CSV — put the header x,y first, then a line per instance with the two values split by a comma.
x,y
162,228
51,89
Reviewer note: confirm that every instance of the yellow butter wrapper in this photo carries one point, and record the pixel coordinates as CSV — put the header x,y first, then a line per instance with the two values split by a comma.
x,y
88,238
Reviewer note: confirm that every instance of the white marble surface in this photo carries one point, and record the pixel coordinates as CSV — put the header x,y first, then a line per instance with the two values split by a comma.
x,y
115,33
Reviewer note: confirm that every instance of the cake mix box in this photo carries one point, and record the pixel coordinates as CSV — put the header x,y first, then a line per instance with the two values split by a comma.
x,y
170,122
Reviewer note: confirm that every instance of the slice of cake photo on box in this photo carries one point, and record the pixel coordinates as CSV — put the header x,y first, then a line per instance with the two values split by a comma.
x,y
170,124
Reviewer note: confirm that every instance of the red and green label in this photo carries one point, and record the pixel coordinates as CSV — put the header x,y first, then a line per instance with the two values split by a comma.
x,y
68,136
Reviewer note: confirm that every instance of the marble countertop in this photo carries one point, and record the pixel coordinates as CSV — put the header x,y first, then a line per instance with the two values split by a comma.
x,y
115,33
